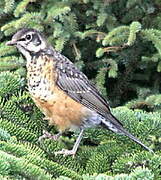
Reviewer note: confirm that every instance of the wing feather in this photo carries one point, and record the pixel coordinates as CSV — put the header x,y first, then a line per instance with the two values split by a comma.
x,y
78,87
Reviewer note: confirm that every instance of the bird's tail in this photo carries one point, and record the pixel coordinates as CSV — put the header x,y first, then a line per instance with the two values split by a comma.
x,y
119,129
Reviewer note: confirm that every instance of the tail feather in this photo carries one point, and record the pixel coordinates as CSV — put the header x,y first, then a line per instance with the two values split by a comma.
x,y
121,130
126,133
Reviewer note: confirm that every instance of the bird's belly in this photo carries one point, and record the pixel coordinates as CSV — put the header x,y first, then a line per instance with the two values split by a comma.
x,y
63,111
58,107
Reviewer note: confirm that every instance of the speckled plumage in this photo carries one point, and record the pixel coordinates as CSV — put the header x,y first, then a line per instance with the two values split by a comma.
x,y
63,93
57,106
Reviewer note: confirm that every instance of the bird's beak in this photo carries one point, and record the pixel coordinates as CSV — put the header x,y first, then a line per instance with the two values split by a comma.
x,y
11,43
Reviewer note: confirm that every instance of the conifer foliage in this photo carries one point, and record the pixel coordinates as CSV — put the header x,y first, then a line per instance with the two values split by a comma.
x,y
117,43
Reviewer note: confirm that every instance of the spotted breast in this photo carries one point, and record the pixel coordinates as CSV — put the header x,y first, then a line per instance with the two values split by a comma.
x,y
56,105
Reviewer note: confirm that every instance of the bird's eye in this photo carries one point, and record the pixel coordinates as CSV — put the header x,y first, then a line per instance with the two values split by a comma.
x,y
28,36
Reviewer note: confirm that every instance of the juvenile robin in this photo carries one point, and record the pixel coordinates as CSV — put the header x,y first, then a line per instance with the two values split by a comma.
x,y
62,92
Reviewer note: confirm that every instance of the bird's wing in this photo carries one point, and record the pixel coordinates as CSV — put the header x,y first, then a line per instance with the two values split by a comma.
x,y
72,81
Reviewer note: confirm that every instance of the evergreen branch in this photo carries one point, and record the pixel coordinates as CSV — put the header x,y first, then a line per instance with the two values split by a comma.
x,y
6,50
57,13
101,18
100,51
154,36
4,135
113,68
60,42
18,131
54,168
11,63
28,19
117,31
12,82
21,7
76,52
36,156
143,173
91,33
9,5
100,80
23,167
134,28
140,159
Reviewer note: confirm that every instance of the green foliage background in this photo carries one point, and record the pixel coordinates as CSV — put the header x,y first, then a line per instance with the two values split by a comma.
x,y
117,43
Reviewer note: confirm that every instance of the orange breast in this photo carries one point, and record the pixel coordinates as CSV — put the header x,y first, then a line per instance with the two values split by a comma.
x,y
58,107
62,111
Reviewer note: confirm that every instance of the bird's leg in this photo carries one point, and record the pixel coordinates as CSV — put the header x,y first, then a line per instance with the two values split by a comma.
x,y
66,152
46,134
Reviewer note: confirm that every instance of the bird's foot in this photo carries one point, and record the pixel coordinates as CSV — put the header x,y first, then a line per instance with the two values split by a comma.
x,y
46,134
46,119
66,152
72,152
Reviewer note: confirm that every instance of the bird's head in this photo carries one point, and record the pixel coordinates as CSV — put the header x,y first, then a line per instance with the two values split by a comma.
x,y
28,41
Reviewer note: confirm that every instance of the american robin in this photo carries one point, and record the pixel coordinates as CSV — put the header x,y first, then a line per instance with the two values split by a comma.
x,y
62,92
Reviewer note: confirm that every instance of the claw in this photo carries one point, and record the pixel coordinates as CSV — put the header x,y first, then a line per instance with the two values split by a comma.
x,y
66,152
49,136
72,152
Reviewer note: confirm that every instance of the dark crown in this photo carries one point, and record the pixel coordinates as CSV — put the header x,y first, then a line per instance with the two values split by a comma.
x,y
23,31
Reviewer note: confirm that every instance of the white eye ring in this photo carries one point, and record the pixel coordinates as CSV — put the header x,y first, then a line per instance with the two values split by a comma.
x,y
28,37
